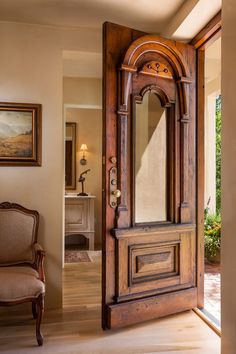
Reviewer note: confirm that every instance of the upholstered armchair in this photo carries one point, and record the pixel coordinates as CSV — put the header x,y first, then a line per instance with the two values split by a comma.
x,y
21,261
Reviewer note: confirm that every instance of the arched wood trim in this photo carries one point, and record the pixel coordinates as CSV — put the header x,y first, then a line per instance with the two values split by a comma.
x,y
162,95
153,44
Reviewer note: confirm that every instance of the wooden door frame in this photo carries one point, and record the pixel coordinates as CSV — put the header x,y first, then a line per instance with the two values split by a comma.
x,y
208,35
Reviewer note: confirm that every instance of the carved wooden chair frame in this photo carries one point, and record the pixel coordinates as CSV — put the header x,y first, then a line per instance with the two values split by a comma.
x,y
38,265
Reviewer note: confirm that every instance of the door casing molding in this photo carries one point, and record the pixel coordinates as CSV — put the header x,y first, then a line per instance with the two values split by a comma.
x,y
208,35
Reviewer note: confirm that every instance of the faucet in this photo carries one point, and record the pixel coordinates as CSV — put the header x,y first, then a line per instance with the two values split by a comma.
x,y
81,180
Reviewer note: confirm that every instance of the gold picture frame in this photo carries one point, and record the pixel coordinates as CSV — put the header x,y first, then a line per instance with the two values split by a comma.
x,y
20,134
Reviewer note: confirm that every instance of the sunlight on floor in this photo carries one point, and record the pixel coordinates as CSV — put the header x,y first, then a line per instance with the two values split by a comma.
x,y
212,295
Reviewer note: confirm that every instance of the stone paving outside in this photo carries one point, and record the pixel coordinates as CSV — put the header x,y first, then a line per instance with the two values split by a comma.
x,y
212,290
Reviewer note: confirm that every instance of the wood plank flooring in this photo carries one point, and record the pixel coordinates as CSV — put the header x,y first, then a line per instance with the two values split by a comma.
x,y
76,328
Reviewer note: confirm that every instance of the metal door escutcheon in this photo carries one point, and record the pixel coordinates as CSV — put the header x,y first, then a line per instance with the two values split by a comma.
x,y
114,192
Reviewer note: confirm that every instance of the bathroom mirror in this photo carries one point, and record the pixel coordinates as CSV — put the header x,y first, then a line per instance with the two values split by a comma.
x,y
70,156
150,160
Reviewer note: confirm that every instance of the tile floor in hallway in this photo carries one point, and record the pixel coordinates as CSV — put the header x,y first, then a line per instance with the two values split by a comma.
x,y
212,293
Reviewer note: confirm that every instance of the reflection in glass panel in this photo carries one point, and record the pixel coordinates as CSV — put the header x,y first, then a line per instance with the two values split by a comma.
x,y
150,161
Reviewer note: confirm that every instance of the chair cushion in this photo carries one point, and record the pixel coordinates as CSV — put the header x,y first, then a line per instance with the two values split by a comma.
x,y
17,235
19,283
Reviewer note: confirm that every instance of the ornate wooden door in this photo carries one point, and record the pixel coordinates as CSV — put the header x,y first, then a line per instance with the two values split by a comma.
x,y
149,218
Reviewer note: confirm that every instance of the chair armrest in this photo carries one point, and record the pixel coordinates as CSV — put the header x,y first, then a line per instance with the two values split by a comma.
x,y
39,260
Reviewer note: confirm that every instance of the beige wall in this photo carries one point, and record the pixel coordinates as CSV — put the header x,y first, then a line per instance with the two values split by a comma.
x,y
31,71
228,178
82,91
89,131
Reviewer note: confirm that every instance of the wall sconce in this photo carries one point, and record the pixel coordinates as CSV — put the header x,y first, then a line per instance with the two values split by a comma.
x,y
83,148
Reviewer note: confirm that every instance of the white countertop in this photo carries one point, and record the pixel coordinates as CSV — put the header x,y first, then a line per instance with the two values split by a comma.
x,y
74,195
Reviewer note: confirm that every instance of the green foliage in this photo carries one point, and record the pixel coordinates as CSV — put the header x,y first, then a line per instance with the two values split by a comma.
x,y
218,154
212,233
212,223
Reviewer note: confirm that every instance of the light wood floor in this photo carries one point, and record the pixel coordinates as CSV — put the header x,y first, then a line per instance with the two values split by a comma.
x,y
76,328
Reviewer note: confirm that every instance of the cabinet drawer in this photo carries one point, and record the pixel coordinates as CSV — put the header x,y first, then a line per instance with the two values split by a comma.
x,y
76,215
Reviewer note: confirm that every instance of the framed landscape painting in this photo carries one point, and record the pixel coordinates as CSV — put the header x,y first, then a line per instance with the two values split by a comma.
x,y
20,134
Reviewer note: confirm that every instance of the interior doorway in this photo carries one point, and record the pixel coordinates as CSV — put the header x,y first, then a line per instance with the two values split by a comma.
x,y
83,179
82,97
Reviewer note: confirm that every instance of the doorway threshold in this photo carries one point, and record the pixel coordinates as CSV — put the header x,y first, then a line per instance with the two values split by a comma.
x,y
209,319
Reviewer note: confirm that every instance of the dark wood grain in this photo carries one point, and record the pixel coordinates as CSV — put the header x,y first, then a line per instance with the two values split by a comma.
x,y
150,308
133,243
40,310
133,268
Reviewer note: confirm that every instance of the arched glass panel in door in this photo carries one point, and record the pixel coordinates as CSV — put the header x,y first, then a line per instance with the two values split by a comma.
x,y
150,160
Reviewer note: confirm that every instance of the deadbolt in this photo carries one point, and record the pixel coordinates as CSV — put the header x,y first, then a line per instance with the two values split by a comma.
x,y
114,182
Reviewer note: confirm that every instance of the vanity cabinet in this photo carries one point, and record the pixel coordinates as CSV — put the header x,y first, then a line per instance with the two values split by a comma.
x,y
79,217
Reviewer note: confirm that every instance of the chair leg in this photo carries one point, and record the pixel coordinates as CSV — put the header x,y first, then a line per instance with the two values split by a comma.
x,y
39,311
34,310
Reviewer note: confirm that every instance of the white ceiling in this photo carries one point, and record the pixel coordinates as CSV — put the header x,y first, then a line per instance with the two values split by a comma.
x,y
146,15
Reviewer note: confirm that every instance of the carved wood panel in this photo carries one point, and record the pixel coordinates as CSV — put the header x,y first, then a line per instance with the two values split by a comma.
x,y
154,261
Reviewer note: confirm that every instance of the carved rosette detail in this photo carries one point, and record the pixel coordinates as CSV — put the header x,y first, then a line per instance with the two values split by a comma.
x,y
155,68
